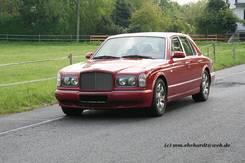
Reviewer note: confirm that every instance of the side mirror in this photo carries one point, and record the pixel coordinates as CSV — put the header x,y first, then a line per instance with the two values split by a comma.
x,y
88,55
178,54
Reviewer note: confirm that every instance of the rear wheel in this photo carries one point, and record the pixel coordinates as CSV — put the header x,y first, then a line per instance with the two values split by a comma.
x,y
159,99
204,88
71,111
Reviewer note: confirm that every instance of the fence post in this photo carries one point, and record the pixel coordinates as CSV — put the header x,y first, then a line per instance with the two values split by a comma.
x,y
214,52
70,58
39,37
208,51
233,53
7,37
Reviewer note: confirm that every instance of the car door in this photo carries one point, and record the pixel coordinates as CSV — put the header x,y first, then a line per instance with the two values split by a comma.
x,y
192,64
178,72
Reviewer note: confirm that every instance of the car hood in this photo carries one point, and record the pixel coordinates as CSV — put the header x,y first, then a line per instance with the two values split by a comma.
x,y
115,65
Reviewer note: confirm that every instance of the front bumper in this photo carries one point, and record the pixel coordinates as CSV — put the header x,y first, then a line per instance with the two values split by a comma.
x,y
115,99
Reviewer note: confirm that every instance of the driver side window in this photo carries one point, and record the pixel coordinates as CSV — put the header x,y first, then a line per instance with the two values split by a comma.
x,y
175,45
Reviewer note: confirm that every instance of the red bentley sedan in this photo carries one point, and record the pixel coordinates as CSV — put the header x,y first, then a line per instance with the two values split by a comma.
x,y
139,70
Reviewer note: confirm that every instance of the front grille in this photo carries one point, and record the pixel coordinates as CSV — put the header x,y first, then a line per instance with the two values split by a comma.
x,y
96,81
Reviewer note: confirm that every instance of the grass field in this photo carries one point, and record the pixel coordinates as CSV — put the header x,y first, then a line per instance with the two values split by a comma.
x,y
224,53
28,96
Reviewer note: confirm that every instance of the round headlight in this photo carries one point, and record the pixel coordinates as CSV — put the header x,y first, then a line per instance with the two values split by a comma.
x,y
127,81
70,81
66,81
122,81
74,81
132,81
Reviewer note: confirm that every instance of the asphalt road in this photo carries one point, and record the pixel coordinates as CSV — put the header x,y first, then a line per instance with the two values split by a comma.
x,y
46,135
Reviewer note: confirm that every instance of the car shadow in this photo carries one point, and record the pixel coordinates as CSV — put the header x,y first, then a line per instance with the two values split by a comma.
x,y
179,104
135,114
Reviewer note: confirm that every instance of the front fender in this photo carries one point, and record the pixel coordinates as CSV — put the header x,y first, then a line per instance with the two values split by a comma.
x,y
156,76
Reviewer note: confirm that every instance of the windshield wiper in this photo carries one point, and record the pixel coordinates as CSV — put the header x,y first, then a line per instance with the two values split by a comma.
x,y
106,57
136,56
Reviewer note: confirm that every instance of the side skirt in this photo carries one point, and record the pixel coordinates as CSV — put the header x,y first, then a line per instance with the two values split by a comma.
x,y
184,94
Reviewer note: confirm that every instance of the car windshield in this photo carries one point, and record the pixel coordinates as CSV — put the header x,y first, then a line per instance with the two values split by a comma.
x,y
132,47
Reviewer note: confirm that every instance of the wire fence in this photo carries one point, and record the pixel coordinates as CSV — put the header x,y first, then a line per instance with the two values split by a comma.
x,y
70,38
70,59
210,49
39,38
27,82
224,54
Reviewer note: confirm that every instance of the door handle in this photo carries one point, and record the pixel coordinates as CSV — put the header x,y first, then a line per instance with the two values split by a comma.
x,y
199,61
188,62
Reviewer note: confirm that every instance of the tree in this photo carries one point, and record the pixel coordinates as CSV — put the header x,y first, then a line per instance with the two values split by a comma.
x,y
9,7
45,17
149,18
92,13
217,18
179,25
59,16
191,13
107,27
10,21
122,13
216,5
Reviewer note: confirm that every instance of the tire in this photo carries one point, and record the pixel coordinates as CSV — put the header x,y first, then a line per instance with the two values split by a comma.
x,y
204,88
71,111
159,101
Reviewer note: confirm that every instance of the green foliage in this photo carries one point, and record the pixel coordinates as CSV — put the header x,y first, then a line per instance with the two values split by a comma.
x,y
191,13
44,16
116,20
217,18
9,17
179,25
12,24
92,13
107,27
9,7
216,5
147,19
122,13
114,16
53,16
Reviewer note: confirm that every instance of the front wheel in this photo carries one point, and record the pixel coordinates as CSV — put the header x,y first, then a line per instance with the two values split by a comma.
x,y
71,111
159,102
204,88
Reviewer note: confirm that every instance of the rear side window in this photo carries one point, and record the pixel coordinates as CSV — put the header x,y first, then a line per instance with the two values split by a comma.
x,y
187,46
176,45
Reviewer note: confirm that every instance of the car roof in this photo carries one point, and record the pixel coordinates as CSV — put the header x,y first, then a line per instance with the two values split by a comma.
x,y
148,34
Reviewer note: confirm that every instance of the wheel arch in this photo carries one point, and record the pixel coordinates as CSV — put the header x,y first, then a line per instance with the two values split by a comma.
x,y
206,68
163,77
